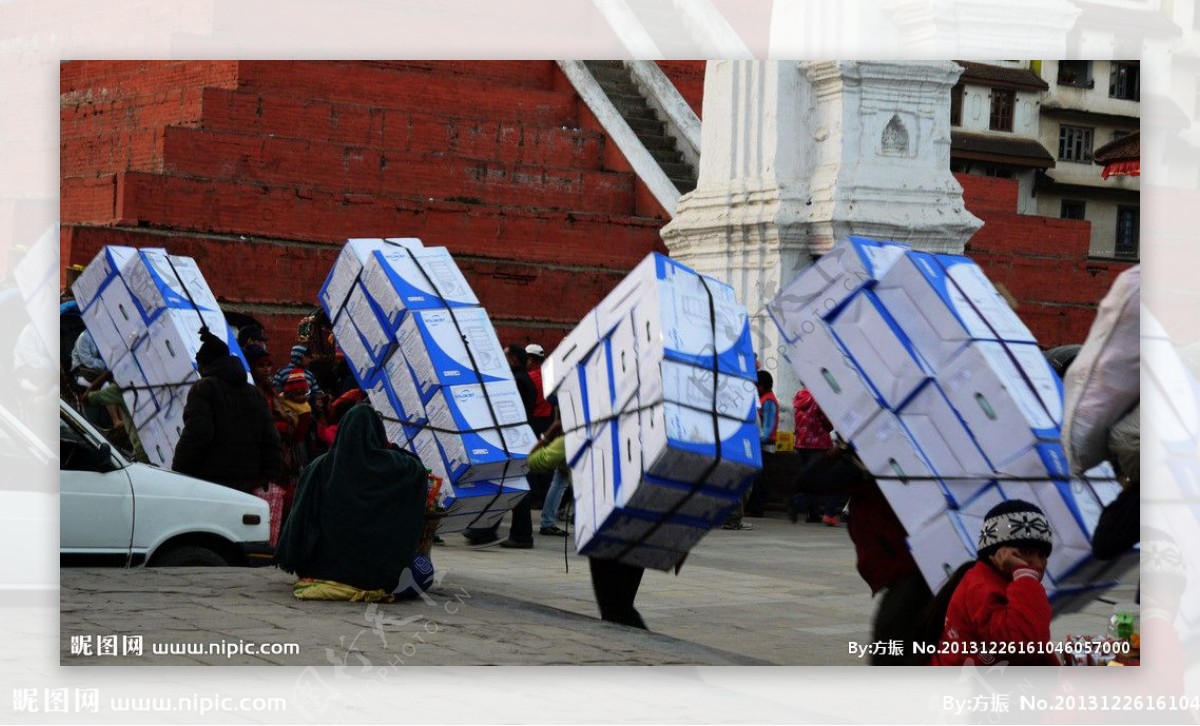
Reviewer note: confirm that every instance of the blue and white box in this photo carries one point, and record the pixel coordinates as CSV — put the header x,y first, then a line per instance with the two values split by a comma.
x,y
103,268
681,315
165,282
879,348
399,279
661,446
348,267
1011,399
452,347
942,314
821,289
145,309
825,368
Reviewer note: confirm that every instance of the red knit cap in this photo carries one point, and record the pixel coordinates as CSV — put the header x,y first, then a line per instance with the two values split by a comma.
x,y
296,381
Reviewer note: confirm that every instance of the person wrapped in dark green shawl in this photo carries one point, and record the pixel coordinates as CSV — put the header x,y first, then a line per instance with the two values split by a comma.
x,y
359,509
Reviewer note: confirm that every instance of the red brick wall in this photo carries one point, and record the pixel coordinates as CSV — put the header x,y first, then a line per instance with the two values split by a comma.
x,y
1043,262
261,169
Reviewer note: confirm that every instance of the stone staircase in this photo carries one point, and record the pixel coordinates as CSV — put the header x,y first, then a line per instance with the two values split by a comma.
x,y
621,90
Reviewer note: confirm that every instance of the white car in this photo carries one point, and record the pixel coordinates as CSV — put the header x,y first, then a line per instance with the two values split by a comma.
x,y
113,511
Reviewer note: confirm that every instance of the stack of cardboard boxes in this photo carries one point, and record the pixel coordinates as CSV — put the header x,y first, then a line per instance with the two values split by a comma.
x,y
428,357
657,391
144,308
919,361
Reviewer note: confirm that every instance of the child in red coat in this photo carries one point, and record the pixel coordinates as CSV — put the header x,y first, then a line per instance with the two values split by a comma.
x,y
998,610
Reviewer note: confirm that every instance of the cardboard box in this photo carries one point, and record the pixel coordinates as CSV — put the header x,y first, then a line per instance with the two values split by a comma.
x,y
906,479
578,344
394,427
945,442
834,381
487,453
160,282
482,430
1007,394
115,321
349,265
940,547
104,267
451,347
682,316
477,520
350,342
479,496
377,340
403,389
820,289
399,279
136,389
877,345
938,316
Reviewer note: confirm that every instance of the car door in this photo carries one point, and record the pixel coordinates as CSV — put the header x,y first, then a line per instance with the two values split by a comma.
x,y
96,502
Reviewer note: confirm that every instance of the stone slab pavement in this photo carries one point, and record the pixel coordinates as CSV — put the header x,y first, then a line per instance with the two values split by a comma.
x,y
780,594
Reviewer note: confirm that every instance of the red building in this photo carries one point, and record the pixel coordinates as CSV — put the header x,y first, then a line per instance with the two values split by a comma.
x,y
261,169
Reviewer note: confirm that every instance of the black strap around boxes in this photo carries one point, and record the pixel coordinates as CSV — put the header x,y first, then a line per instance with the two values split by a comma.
x,y
716,424
192,301
479,377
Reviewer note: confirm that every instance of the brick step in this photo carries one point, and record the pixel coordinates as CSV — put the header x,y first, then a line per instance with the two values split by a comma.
x,y
100,154
355,123
278,273
301,214
361,170
130,114
405,90
106,79
531,74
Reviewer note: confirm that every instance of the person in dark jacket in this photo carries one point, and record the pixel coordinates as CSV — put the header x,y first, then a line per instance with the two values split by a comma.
x,y
359,509
228,434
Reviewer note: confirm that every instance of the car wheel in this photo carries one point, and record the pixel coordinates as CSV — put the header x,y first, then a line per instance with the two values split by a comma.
x,y
189,556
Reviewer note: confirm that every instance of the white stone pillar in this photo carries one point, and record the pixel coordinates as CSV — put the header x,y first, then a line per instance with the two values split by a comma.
x,y
795,155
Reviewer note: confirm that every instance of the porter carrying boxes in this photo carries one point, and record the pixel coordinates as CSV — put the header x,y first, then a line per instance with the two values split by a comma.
x,y
657,392
429,360
923,366
144,308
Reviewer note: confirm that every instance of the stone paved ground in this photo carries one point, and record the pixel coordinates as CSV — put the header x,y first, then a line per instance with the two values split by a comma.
x,y
779,594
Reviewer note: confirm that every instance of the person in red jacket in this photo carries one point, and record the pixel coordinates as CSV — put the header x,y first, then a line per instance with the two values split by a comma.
x,y
998,604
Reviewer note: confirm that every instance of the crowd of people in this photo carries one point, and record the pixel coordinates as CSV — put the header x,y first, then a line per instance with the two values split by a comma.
x,y
350,505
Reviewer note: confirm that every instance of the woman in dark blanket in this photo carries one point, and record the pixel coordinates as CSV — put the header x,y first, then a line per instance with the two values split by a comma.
x,y
358,514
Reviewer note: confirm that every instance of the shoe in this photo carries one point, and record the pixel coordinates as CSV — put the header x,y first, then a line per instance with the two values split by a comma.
x,y
737,525
812,519
480,544
830,521
510,544
553,532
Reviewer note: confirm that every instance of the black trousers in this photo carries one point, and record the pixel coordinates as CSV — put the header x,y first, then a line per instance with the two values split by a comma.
x,y
616,585
899,617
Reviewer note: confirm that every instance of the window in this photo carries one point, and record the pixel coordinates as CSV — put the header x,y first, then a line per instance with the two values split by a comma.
x,y
1002,109
1127,232
1072,209
956,98
1125,81
1075,144
1075,73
